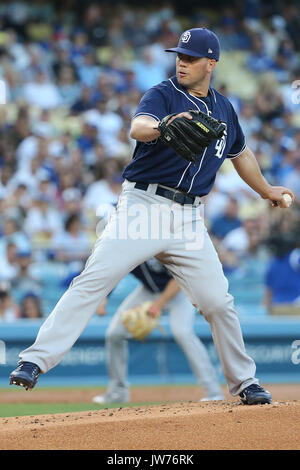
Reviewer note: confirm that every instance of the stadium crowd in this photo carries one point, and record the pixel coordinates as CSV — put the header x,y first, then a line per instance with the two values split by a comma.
x,y
71,78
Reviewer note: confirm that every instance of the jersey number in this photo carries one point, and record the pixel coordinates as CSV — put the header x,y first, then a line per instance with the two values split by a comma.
x,y
220,145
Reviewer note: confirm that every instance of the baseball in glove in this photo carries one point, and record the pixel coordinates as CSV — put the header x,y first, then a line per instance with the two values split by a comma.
x,y
138,321
189,137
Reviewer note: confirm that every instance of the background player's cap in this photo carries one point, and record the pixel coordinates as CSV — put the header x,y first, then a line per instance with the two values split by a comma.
x,y
198,42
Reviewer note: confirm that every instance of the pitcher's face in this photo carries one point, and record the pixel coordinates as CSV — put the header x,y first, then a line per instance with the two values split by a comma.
x,y
192,71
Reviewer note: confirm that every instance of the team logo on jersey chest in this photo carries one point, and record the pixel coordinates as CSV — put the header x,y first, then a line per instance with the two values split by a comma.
x,y
186,36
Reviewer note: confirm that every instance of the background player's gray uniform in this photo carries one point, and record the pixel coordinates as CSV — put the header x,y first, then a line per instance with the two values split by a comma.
x,y
181,317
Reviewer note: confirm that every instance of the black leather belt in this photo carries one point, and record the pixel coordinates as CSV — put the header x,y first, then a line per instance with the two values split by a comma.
x,y
173,194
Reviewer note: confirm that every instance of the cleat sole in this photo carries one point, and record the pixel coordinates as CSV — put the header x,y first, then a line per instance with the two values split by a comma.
x,y
20,384
258,401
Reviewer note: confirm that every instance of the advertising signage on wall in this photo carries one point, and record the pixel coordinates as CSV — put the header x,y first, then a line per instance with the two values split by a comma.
x,y
274,344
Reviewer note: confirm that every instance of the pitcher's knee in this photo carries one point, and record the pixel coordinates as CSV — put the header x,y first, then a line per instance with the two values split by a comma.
x,y
216,307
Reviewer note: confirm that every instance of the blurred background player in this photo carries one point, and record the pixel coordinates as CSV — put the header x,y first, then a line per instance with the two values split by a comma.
x,y
157,285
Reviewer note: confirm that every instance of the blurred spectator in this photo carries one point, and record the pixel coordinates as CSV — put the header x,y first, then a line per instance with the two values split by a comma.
x,y
285,60
66,179
8,263
9,310
164,40
18,199
42,220
291,18
234,99
84,102
26,279
71,201
11,233
136,32
44,184
285,160
5,177
283,271
229,259
230,35
87,142
79,46
124,147
68,85
248,119
148,72
42,92
72,244
292,181
89,71
259,61
215,203
38,63
61,147
34,146
107,122
106,189
273,33
21,128
61,53
290,125
17,49
30,307
229,182
95,24
246,239
268,101
226,222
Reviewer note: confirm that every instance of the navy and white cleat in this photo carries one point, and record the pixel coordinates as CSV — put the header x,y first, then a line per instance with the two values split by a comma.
x,y
25,375
255,395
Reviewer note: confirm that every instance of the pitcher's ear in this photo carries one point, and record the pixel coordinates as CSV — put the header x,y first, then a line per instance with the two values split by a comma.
x,y
212,63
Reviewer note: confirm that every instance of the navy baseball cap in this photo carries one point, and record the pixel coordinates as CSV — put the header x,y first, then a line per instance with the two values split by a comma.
x,y
198,42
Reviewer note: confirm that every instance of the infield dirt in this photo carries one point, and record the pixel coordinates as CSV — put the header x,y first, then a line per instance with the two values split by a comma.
x,y
181,425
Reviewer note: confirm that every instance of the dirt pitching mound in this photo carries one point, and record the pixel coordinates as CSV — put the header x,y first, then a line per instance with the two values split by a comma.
x,y
177,426
150,394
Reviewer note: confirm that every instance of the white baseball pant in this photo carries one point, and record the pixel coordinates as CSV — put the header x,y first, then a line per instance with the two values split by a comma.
x,y
182,317
123,245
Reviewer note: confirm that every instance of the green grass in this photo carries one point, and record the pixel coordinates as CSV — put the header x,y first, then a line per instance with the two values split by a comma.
x,y
28,409
25,409
94,387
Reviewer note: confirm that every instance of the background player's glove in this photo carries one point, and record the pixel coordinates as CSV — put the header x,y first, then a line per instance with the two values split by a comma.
x,y
189,137
138,321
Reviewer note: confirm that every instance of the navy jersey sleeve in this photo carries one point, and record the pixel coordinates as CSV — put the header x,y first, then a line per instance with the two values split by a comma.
x,y
153,104
239,144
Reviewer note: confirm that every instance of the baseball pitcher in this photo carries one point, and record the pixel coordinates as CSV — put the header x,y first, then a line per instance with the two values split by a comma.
x,y
175,162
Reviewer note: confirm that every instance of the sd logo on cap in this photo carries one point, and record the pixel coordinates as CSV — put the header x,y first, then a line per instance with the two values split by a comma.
x,y
198,42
